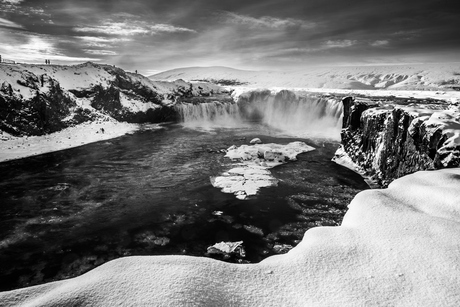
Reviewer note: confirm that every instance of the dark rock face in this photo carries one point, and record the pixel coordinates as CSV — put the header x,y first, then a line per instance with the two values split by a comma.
x,y
44,113
108,101
389,142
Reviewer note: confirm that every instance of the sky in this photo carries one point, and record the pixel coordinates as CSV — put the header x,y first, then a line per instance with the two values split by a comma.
x,y
156,35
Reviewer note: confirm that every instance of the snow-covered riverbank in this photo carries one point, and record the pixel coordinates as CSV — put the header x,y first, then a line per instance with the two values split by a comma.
x,y
20,147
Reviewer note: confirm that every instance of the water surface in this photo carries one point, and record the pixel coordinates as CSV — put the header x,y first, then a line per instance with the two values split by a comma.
x,y
149,193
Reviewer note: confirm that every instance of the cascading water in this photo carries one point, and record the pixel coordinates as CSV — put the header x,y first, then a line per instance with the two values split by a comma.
x,y
210,114
300,115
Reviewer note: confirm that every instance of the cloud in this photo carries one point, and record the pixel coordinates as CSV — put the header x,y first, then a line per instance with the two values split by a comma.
x,y
407,35
380,43
169,28
114,28
330,44
102,42
38,11
19,46
264,21
127,28
37,44
16,8
14,2
9,24
100,52
339,43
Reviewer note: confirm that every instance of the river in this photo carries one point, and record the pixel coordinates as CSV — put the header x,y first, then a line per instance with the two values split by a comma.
x,y
149,193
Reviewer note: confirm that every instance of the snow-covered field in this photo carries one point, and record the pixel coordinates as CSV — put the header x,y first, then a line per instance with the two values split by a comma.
x,y
436,81
448,96
393,77
396,247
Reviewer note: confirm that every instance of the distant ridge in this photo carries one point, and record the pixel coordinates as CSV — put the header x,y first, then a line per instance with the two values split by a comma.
x,y
444,77
198,69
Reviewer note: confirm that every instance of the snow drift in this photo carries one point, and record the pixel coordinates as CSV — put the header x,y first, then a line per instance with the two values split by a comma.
x,y
397,246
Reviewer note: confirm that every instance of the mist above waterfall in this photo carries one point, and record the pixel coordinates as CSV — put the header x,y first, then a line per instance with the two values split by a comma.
x,y
293,114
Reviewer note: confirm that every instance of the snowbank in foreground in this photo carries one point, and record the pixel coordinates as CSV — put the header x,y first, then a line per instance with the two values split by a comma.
x,y
20,147
397,246
252,172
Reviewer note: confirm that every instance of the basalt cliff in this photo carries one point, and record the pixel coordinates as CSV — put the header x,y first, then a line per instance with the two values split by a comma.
x,y
390,138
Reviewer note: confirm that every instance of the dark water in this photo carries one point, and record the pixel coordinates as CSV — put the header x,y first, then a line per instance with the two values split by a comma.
x,y
65,213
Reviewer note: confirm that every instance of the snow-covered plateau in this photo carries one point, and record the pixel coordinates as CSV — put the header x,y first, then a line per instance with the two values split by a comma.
x,y
408,77
397,246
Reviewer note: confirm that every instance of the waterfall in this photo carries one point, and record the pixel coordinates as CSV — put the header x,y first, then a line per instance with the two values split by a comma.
x,y
300,115
209,115
294,114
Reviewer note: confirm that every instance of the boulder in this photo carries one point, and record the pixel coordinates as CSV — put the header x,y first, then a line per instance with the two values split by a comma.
x,y
228,248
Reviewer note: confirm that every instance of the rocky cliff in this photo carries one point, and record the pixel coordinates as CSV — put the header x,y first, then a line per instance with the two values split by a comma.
x,y
41,99
388,139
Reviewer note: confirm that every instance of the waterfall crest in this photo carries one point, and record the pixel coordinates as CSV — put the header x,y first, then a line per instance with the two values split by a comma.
x,y
294,114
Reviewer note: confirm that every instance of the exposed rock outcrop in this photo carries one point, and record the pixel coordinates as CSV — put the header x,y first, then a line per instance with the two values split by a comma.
x,y
391,139
42,113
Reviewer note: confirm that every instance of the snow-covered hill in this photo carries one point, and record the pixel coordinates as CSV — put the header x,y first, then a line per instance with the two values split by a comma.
x,y
444,77
40,99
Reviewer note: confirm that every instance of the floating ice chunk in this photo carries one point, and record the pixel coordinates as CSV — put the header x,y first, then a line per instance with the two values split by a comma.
x,y
252,173
227,248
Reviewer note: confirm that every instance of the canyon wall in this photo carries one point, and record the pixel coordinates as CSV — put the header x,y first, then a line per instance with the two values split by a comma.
x,y
388,139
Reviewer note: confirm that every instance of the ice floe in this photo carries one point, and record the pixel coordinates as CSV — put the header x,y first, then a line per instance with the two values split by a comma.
x,y
251,172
